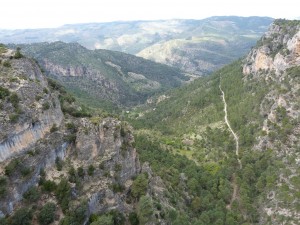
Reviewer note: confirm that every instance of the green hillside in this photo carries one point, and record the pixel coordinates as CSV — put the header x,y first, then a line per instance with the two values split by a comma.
x,y
104,78
190,125
187,142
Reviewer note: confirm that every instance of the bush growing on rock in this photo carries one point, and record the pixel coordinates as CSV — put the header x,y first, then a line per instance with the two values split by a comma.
x,y
3,187
18,54
22,216
4,92
47,214
32,194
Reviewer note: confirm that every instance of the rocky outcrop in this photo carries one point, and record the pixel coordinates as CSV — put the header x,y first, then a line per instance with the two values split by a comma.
x,y
47,154
36,109
59,71
275,61
38,137
111,142
108,145
277,50
28,113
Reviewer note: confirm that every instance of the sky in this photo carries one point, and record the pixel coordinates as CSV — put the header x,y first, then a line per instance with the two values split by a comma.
x,y
23,14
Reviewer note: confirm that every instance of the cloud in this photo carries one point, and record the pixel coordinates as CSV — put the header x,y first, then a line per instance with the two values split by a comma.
x,y
53,13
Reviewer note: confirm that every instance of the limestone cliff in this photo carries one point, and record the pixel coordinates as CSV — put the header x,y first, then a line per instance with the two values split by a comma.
x,y
31,110
275,62
49,156
277,50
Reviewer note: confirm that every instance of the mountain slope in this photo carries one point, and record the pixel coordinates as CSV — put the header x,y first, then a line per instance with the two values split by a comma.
x,y
102,77
196,46
59,165
262,96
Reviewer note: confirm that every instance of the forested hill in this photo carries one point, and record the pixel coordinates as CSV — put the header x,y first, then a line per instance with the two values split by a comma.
x,y
263,106
103,78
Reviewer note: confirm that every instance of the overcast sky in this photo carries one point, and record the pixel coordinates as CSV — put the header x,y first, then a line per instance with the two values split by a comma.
x,y
52,13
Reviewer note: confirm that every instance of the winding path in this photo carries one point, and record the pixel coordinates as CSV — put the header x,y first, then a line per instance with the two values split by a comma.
x,y
236,138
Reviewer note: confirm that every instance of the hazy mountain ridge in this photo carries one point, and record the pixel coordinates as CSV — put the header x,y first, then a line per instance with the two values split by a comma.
x,y
196,46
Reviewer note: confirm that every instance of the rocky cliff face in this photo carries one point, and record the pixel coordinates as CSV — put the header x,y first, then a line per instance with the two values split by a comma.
x,y
108,146
277,50
109,88
276,62
40,147
29,113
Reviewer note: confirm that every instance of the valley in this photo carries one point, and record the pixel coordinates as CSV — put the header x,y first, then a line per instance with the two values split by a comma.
x,y
101,78
105,137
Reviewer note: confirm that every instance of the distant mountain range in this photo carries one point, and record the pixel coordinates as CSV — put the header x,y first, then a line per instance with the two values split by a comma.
x,y
196,46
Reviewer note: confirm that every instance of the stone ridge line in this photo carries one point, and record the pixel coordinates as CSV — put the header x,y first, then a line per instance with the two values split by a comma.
x,y
236,138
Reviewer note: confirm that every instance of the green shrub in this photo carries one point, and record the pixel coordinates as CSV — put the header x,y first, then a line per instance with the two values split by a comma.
x,y
58,163
118,167
11,167
15,166
4,92
3,221
18,54
63,194
139,186
71,138
38,97
80,172
22,216
104,220
101,166
118,217
69,98
145,209
91,170
133,218
46,106
14,117
47,214
32,194
48,186
14,99
3,49
122,132
71,126
72,175
45,90
53,128
25,171
117,187
3,187
6,64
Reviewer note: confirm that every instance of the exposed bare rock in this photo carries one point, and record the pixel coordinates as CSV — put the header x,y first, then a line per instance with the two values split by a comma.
x,y
279,49
37,139
35,119
276,61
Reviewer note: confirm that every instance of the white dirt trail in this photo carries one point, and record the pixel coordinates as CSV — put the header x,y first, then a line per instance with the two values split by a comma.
x,y
236,138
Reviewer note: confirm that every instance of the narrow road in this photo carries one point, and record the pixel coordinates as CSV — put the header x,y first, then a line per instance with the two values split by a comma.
x,y
236,138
